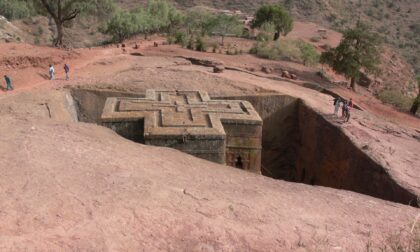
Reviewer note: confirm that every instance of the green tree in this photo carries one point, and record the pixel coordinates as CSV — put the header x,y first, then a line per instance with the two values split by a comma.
x,y
358,49
276,15
198,22
122,25
64,11
224,25
157,16
163,15
416,103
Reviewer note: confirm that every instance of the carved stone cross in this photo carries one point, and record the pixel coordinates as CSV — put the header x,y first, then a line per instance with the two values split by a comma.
x,y
223,131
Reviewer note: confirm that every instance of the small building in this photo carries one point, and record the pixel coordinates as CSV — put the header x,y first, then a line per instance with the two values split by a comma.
x,y
222,131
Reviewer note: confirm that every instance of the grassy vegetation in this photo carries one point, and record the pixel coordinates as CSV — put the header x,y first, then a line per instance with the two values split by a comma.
x,y
197,24
287,49
156,16
396,98
15,9
404,240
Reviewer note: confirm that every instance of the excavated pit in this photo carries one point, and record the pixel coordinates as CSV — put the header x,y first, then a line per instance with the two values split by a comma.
x,y
299,145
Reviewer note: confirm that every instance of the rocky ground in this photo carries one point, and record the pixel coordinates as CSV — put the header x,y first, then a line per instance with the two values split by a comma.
x,y
80,187
76,186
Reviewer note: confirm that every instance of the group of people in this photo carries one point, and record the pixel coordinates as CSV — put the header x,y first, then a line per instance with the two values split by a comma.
x,y
51,71
346,107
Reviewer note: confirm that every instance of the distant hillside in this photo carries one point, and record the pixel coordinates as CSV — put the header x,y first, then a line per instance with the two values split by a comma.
x,y
397,21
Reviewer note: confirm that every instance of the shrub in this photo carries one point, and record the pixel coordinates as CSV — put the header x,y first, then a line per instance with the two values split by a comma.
x,y
3,22
15,9
309,54
246,33
292,50
200,45
396,98
283,50
37,40
180,38
40,30
225,25
215,47
157,16
122,25
266,32
315,39
170,40
190,44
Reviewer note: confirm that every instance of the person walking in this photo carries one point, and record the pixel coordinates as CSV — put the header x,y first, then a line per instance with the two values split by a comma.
x,y
343,109
67,70
351,103
8,83
337,102
346,112
51,71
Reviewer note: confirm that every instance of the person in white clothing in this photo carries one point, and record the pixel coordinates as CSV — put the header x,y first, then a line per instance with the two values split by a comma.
x,y
52,71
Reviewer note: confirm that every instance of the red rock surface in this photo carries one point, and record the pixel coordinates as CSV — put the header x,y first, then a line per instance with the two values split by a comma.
x,y
81,187
76,186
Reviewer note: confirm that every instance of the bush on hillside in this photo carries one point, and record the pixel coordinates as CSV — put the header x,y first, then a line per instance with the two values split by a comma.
x,y
396,99
122,26
225,25
309,54
266,32
291,50
200,45
199,23
179,37
15,9
157,16
315,39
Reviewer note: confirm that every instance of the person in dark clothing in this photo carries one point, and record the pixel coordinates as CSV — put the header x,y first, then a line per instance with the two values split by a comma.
x,y
67,70
343,112
346,111
8,83
351,103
